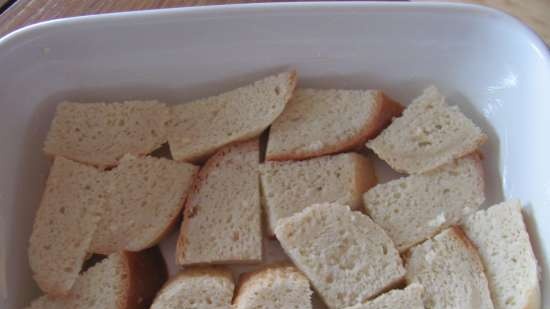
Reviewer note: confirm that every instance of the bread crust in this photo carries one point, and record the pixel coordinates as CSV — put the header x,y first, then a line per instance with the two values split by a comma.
x,y
386,109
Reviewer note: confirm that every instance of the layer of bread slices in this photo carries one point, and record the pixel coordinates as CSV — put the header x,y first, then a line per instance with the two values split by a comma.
x,y
273,287
450,270
222,216
64,225
145,199
414,208
290,186
197,287
407,298
123,280
501,237
347,257
199,128
318,122
102,133
429,134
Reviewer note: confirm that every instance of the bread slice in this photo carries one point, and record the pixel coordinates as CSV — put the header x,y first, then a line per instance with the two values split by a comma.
x,y
408,298
199,128
449,268
64,225
511,267
429,134
101,133
290,186
123,280
414,208
199,288
318,122
347,257
274,287
222,216
145,199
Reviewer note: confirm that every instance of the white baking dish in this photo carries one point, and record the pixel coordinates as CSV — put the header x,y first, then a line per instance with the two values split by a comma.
x,y
494,67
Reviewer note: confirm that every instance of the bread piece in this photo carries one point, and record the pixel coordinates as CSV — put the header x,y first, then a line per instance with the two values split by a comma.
x,y
408,298
197,288
318,122
199,128
290,186
222,216
449,268
347,257
429,134
124,280
414,208
511,267
145,199
101,133
274,287
64,225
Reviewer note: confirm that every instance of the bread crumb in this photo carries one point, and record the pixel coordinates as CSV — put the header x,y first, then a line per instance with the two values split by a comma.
x,y
315,146
438,221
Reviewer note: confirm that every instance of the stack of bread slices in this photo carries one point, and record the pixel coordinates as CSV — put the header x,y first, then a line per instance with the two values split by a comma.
x,y
269,164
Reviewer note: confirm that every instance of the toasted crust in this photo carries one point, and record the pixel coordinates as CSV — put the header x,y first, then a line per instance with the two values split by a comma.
x,y
147,273
386,109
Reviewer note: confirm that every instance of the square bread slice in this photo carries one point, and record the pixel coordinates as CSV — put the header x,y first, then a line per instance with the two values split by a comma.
x,y
123,280
408,298
290,186
144,201
101,133
317,122
429,134
501,237
449,269
347,257
199,128
64,225
222,216
273,287
414,208
197,288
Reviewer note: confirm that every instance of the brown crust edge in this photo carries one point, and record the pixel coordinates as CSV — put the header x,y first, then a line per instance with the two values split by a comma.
x,y
198,183
386,110
146,274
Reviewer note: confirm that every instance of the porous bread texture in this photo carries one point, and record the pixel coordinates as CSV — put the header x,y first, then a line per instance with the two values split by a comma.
x,y
199,128
101,133
429,134
317,122
222,215
347,257
501,237
414,208
290,186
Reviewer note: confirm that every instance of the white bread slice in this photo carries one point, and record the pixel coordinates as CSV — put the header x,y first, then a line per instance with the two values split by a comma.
x,y
318,122
145,199
222,216
199,288
500,235
347,257
273,287
102,133
407,298
429,134
64,225
199,128
414,208
290,186
123,280
449,268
